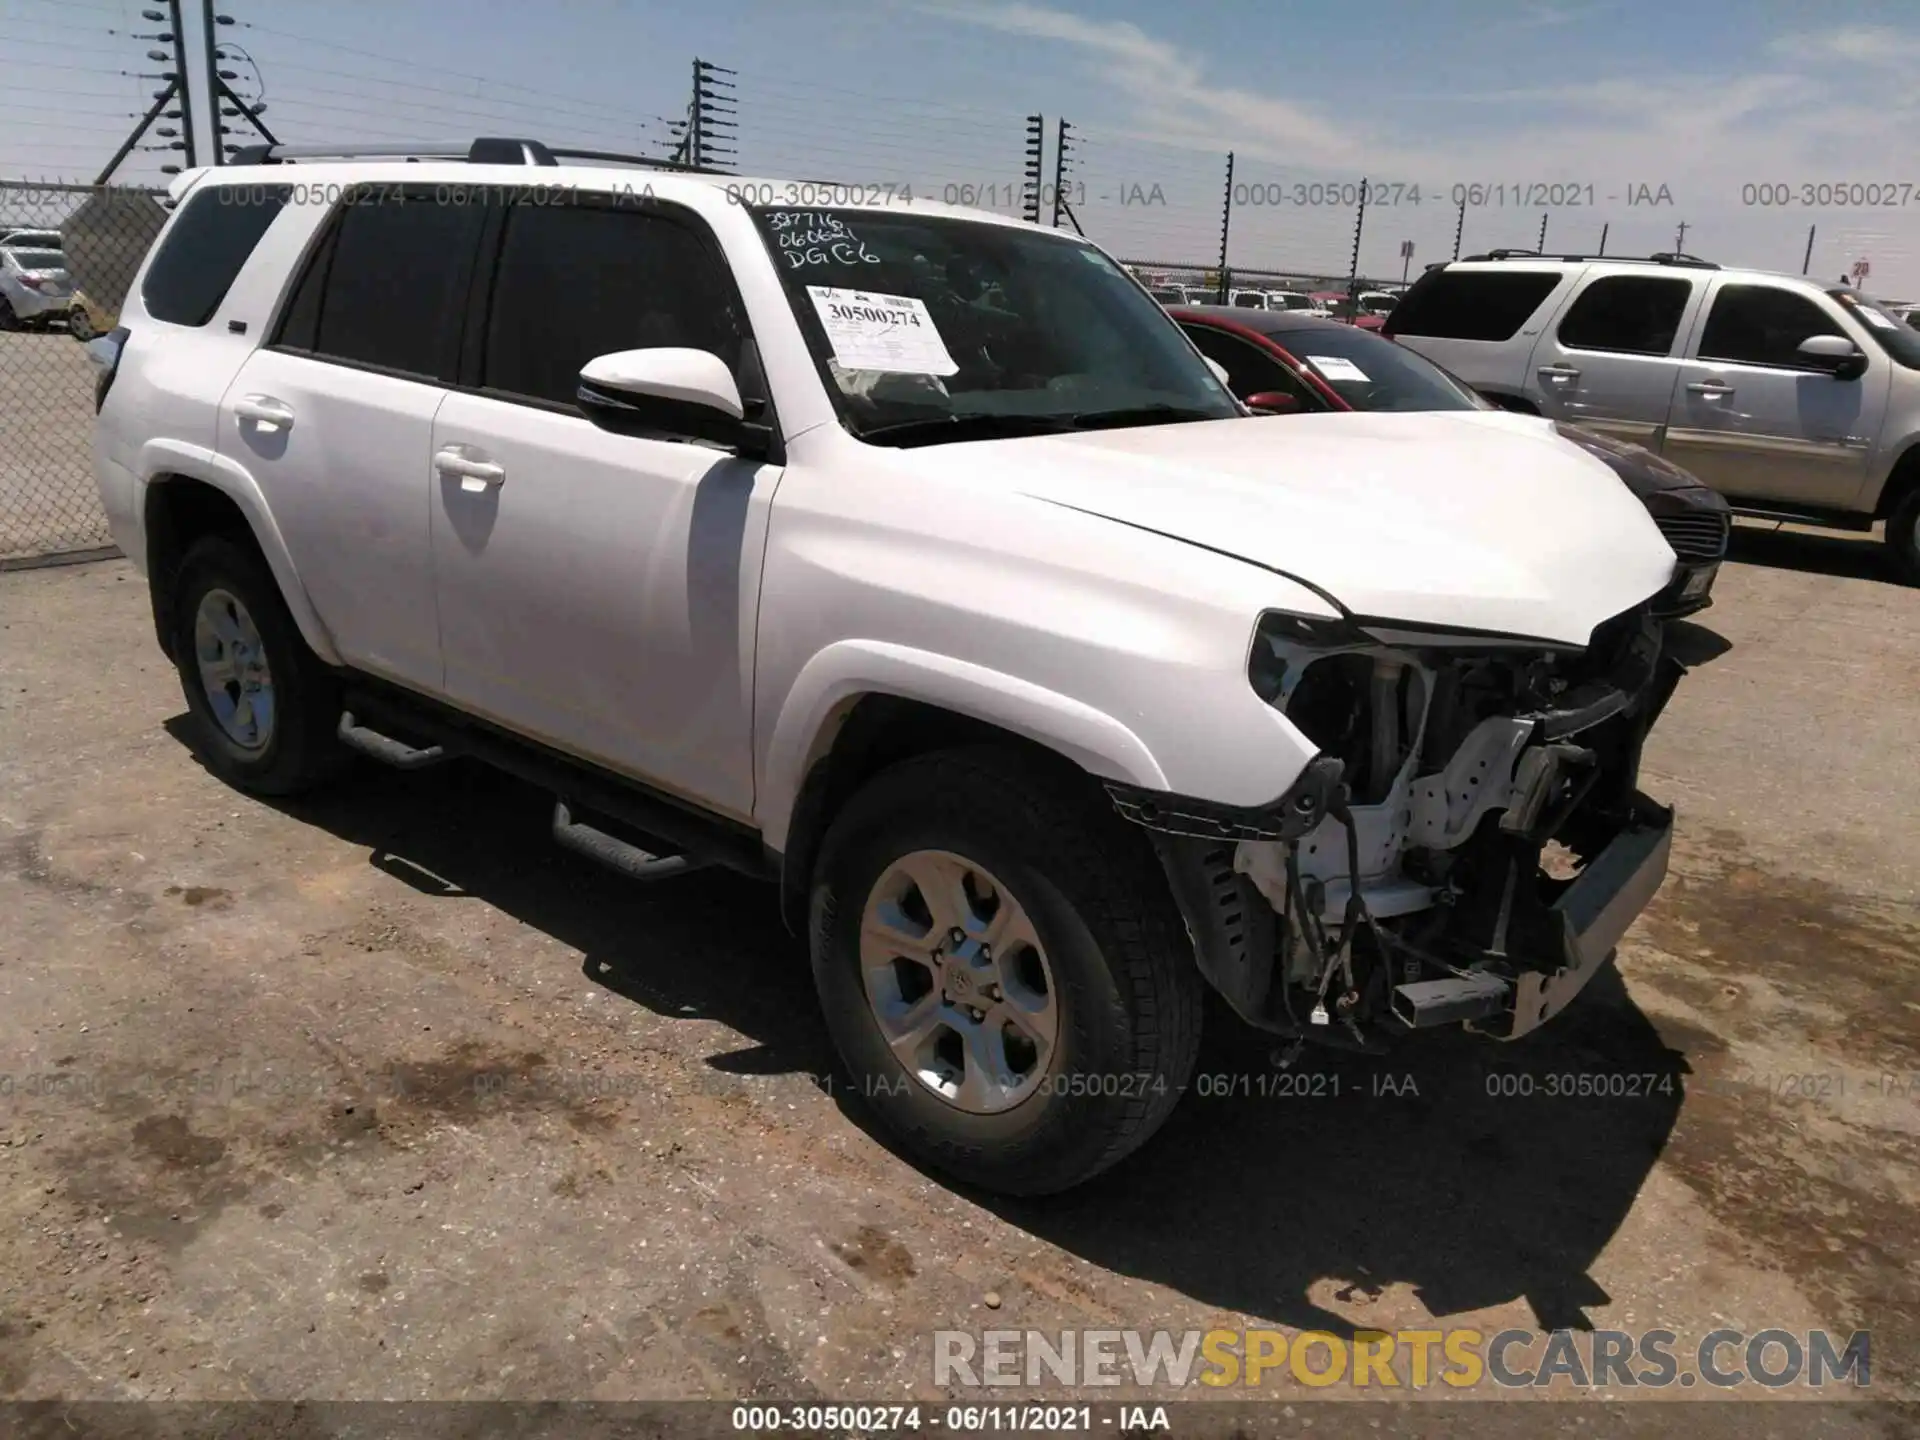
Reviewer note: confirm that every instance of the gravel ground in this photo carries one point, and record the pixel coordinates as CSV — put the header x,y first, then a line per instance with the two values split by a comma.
x,y
382,1096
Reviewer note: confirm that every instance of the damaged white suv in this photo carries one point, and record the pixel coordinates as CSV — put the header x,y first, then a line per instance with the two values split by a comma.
x,y
912,559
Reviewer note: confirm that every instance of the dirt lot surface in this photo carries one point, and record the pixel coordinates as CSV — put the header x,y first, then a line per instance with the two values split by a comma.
x,y
382,1095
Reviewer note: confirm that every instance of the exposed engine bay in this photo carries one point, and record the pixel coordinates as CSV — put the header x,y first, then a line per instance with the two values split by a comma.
x,y
1466,848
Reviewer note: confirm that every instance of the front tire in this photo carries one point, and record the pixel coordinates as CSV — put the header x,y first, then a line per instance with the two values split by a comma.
x,y
1903,536
263,706
1002,969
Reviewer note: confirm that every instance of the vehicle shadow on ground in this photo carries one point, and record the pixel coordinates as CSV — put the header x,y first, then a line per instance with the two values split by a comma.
x,y
1433,1169
1844,556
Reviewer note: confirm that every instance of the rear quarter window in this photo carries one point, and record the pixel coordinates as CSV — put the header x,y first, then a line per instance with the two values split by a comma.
x,y
1473,304
204,249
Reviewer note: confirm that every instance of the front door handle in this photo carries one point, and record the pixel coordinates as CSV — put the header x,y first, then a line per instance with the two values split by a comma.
x,y
1711,389
1559,374
475,474
265,411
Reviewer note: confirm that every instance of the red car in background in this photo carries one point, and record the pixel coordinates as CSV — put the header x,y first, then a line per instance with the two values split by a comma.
x,y
1285,363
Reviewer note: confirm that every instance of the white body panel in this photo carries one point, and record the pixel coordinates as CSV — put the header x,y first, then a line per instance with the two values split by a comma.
x,y
657,608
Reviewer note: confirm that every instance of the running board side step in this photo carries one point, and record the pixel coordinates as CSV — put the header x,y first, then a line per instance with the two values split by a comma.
x,y
384,748
616,854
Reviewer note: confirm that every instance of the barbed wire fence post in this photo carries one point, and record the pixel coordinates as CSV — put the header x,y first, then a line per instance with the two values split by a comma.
x,y
1226,226
1353,264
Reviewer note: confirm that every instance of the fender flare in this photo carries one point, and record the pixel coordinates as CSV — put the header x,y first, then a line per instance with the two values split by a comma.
x,y
161,458
849,669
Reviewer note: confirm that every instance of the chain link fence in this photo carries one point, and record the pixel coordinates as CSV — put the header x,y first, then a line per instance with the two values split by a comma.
x,y
71,252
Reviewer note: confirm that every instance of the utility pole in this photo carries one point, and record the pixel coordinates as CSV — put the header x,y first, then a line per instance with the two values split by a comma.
x,y
1036,160
1060,169
176,88
1353,265
712,114
1680,239
1226,222
214,82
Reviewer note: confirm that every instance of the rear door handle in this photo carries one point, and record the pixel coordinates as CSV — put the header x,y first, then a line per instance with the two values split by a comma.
x,y
1712,389
265,411
475,474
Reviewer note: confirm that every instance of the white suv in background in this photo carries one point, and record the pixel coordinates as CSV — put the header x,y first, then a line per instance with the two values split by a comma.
x,y
1796,400
912,559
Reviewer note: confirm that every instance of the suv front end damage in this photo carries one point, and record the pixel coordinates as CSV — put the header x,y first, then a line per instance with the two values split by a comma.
x,y
1468,846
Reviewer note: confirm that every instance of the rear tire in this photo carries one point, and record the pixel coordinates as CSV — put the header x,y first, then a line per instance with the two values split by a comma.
x,y
1106,964
79,326
264,709
1903,536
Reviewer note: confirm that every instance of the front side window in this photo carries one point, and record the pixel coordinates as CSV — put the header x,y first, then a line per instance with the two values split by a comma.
x,y
1250,370
578,281
928,328
1763,325
205,247
1627,314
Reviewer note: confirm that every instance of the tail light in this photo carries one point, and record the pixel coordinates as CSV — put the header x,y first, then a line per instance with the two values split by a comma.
x,y
105,354
32,282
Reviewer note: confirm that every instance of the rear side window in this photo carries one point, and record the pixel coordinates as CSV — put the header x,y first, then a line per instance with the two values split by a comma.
x,y
577,281
386,286
1629,314
203,252
1472,304
1763,325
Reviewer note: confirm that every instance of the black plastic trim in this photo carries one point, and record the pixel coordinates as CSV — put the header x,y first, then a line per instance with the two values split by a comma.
x,y
1303,806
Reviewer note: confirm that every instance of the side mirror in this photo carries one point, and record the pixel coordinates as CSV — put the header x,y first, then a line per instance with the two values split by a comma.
x,y
1835,354
663,391
1274,402
1219,370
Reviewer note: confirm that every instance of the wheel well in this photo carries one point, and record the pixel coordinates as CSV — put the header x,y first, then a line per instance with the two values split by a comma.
x,y
875,732
1901,481
180,511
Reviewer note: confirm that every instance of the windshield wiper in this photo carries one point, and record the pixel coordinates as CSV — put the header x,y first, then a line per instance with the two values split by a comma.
x,y
936,429
1140,415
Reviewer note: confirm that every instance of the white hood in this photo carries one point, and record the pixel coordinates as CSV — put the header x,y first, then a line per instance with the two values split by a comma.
x,y
1474,519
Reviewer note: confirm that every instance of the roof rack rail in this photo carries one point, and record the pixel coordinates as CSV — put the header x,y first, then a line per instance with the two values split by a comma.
x,y
1663,257
485,150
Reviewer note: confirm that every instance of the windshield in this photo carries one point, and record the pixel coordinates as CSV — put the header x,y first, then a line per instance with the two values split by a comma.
x,y
1169,297
1370,373
921,321
38,259
1902,342
1293,302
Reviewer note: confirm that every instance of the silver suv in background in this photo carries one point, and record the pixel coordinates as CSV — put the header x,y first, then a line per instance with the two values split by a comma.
x,y
1796,400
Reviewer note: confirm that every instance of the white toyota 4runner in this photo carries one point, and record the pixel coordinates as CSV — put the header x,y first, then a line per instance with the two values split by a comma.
x,y
912,559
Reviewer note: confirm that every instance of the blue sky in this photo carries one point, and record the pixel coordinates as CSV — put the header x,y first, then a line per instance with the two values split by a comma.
x,y
1594,97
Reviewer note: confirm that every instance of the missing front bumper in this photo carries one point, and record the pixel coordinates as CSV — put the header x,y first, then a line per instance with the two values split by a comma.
x,y
1591,916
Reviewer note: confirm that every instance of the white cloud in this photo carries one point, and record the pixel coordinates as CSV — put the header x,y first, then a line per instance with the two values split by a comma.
x,y
1826,105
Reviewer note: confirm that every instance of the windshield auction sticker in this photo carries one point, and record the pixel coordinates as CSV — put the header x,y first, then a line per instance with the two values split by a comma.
x,y
1336,367
869,331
